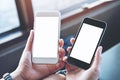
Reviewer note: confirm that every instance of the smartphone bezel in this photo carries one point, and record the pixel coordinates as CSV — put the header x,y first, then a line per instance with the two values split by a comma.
x,y
47,60
95,23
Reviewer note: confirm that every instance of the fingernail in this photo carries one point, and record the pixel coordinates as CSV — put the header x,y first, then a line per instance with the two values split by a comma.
x,y
66,57
31,30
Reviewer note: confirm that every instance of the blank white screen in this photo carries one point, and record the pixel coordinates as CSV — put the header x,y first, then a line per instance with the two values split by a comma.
x,y
86,43
46,37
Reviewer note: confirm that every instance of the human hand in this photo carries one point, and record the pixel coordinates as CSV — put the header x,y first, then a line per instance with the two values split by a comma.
x,y
26,70
55,77
75,73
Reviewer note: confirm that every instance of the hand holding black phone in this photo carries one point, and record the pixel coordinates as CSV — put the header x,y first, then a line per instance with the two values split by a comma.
x,y
87,40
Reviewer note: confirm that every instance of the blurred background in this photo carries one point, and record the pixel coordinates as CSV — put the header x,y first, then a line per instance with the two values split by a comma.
x,y
17,17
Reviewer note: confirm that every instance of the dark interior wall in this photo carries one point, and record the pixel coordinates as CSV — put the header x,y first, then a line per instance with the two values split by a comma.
x,y
9,62
9,58
112,18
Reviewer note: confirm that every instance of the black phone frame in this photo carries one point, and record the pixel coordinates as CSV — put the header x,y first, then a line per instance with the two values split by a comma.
x,y
96,23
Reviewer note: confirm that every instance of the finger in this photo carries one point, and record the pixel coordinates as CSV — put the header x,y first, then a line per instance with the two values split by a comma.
x,y
70,67
29,41
61,42
61,52
26,56
72,40
69,49
65,59
61,63
97,58
55,77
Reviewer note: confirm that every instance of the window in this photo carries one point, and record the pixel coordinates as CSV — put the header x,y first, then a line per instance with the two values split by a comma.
x,y
16,19
8,16
16,16
9,21
67,7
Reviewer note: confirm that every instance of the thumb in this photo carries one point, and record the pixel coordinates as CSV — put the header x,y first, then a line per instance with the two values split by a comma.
x,y
28,46
97,58
26,56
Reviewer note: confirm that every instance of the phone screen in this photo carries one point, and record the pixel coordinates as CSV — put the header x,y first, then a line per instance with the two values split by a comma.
x,y
46,36
86,42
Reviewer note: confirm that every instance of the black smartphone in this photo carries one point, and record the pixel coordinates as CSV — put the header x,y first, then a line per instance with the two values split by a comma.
x,y
87,40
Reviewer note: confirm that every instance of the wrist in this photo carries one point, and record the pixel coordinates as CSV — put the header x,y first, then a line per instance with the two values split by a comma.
x,y
16,75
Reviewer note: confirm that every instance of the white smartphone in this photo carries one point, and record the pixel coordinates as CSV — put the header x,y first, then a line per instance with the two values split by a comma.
x,y
46,36
86,42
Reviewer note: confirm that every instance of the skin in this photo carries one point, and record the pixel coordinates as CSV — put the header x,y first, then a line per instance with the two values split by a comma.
x,y
75,73
26,70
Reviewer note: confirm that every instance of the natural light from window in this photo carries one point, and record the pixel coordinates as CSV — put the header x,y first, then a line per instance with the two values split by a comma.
x,y
8,15
66,7
54,4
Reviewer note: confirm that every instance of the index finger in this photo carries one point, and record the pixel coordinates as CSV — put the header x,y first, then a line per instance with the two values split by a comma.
x,y
72,40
